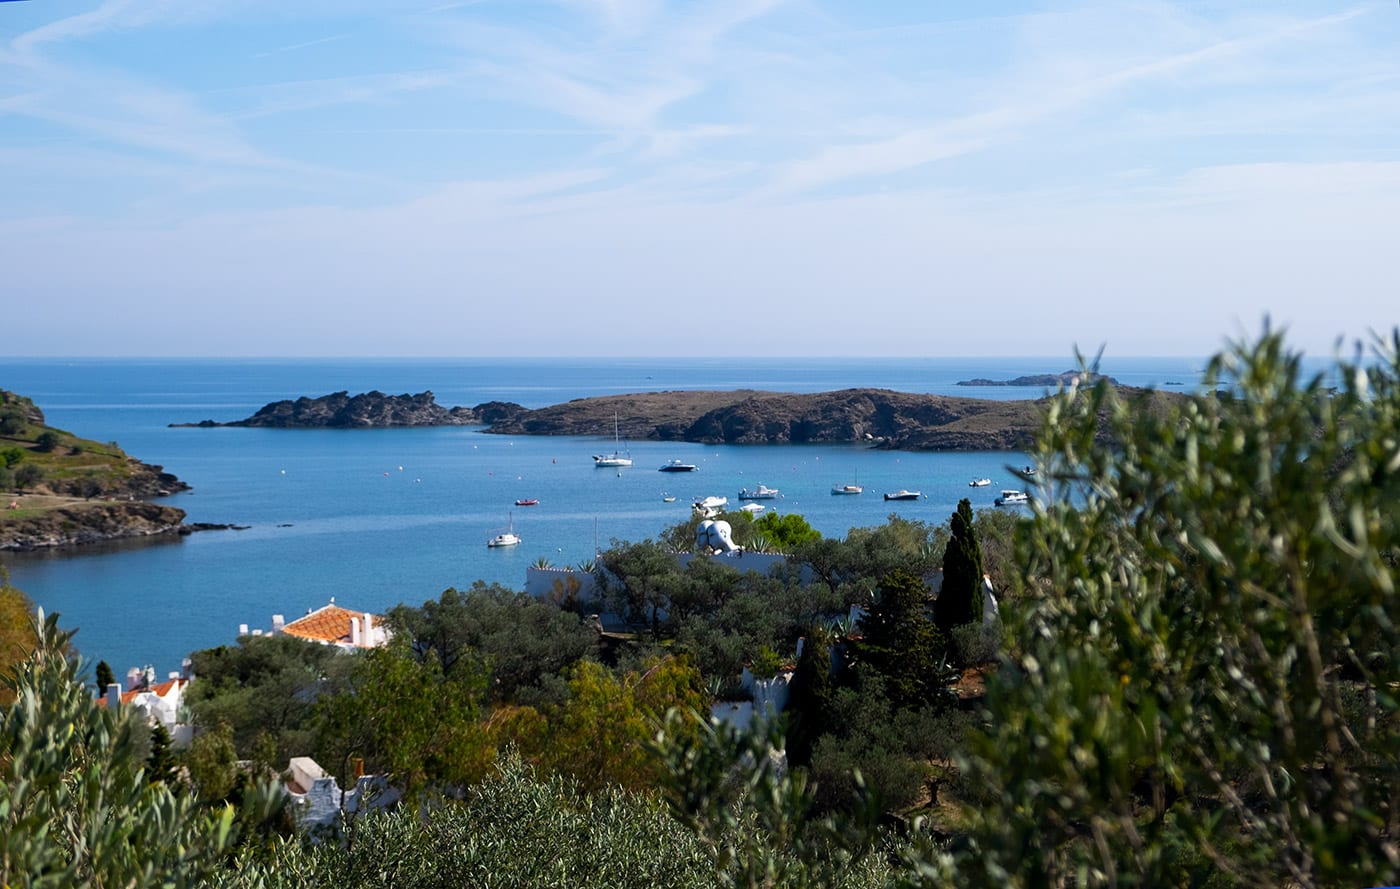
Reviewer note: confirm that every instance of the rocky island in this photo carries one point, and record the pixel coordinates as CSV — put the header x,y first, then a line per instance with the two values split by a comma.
x,y
61,489
368,410
878,417
1044,381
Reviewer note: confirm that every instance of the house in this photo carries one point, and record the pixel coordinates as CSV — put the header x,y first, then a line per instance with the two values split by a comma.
x,y
159,702
330,625
319,802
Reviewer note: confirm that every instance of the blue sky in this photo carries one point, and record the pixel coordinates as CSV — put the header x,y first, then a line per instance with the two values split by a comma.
x,y
736,177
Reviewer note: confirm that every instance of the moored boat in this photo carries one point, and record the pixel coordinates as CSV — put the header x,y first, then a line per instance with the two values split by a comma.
x,y
904,494
507,537
979,483
1011,498
762,492
618,457
677,466
527,501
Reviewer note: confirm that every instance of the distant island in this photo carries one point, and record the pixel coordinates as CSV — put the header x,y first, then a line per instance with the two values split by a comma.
x,y
368,410
1043,380
878,417
60,489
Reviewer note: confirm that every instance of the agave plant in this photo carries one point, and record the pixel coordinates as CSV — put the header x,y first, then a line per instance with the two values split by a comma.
x,y
543,563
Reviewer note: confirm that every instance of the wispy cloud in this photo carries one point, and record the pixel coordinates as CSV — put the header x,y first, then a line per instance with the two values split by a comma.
x,y
302,45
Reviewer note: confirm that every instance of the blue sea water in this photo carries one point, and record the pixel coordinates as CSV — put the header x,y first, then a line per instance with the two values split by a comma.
x,y
378,517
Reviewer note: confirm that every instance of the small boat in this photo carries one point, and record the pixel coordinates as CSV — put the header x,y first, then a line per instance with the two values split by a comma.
x,y
710,507
852,488
505,538
903,494
1011,498
668,498
753,508
979,483
1029,470
618,457
677,466
762,492
528,501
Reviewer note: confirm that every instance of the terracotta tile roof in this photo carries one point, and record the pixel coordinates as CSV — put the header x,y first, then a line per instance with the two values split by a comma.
x,y
328,624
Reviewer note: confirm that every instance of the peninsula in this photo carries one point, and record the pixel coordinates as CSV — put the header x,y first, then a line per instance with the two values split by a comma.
x,y
59,489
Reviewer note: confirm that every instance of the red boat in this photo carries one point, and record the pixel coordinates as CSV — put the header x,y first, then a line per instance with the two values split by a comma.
x,y
530,502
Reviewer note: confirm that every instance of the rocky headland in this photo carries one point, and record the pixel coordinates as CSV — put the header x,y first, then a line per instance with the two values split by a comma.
x,y
368,410
59,489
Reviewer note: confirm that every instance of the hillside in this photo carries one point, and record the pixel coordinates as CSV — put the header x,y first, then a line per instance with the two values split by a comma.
x,y
58,488
883,417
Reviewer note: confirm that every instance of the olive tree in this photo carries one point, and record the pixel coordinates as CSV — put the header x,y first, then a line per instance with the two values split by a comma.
x,y
1207,657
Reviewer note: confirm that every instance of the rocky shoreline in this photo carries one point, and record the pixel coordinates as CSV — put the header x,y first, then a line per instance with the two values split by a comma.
x,y
368,410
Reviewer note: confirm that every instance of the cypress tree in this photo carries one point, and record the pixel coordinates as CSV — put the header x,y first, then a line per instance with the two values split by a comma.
x,y
104,677
960,600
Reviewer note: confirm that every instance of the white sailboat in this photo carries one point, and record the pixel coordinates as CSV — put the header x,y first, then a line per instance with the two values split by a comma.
x,y
507,537
853,488
618,457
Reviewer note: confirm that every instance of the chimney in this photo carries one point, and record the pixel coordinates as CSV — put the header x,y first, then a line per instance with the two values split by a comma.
x,y
278,623
114,697
133,678
355,631
369,630
186,669
242,629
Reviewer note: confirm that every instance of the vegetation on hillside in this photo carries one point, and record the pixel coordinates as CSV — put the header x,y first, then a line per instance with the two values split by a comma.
x,y
1197,685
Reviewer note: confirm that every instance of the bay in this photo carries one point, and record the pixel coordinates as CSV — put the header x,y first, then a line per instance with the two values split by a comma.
x,y
372,518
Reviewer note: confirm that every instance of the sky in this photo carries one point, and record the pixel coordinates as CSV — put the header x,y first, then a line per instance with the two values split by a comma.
x,y
721,178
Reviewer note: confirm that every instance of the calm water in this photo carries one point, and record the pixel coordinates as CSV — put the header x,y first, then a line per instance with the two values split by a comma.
x,y
378,517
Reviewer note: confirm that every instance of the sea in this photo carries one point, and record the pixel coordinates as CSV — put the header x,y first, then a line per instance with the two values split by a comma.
x,y
374,518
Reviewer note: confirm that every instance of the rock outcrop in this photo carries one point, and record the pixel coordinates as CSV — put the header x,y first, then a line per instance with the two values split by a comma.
x,y
368,410
86,523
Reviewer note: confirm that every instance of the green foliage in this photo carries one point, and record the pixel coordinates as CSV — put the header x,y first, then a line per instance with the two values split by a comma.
x,y
11,422
75,806
519,643
765,663
809,697
639,579
46,441
408,720
960,599
104,677
787,531
598,735
27,476
265,686
755,818
1206,682
515,828
901,643
17,634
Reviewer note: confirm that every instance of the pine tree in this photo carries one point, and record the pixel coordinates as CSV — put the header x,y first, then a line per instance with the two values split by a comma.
x,y
901,642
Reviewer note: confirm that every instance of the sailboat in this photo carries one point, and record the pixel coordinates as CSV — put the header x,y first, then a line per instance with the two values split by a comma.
x,y
617,457
853,488
507,537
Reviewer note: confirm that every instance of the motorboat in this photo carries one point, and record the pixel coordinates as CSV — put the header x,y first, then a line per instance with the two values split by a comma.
x,y
903,494
618,457
753,508
709,507
979,483
507,537
677,466
853,488
528,501
668,498
1011,498
762,492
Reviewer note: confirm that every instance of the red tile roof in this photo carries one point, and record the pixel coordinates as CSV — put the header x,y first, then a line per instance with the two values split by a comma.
x,y
329,624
